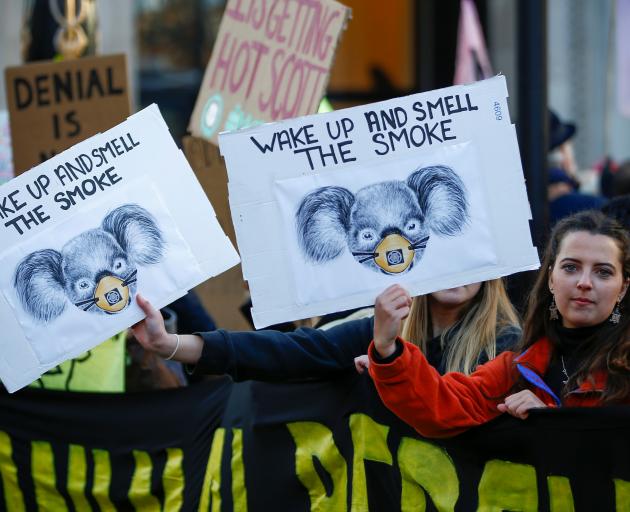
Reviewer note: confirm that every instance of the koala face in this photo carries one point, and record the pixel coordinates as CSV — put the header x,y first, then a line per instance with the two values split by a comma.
x,y
384,209
87,259
385,226
96,270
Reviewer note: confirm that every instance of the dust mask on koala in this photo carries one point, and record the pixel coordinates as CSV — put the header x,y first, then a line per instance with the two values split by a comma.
x,y
394,253
111,294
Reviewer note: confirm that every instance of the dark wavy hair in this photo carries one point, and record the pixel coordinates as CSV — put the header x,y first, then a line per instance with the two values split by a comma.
x,y
609,350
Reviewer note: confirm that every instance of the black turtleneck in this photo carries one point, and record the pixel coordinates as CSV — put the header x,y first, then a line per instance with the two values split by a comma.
x,y
572,343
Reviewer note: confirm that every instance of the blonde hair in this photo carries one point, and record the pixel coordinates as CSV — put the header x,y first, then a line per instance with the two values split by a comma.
x,y
489,311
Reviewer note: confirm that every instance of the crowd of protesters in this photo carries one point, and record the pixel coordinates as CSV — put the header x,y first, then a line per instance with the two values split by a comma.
x,y
457,358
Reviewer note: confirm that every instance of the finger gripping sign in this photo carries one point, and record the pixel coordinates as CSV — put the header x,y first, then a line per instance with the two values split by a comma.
x,y
425,190
270,61
84,232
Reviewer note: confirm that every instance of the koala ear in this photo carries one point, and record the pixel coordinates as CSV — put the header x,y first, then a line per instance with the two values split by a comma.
x,y
136,231
442,197
322,222
39,284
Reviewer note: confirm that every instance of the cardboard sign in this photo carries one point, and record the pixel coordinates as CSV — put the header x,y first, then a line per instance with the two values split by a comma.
x,y
223,295
118,214
270,61
54,105
425,190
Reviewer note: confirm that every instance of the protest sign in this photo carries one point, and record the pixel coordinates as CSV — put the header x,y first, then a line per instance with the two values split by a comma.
x,y
54,105
425,190
101,369
81,233
270,61
224,295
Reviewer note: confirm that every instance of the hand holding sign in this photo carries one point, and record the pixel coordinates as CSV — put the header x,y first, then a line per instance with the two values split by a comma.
x,y
390,309
425,191
152,335
77,247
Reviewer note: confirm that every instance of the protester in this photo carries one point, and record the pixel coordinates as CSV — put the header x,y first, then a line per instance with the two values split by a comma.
x,y
619,209
561,154
458,328
574,352
621,180
565,198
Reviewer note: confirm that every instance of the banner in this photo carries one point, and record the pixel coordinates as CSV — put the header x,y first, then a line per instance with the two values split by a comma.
x,y
425,190
270,61
81,234
325,446
54,105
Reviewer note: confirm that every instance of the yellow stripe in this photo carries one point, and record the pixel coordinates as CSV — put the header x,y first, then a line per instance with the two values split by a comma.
x,y
369,439
43,471
77,471
314,440
239,491
560,494
13,498
140,489
102,480
212,478
173,480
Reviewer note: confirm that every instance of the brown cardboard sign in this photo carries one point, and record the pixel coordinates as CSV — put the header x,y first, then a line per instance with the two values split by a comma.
x,y
54,105
224,294
271,61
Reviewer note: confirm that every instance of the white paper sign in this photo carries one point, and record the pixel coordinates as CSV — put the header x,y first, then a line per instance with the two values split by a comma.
x,y
425,190
84,232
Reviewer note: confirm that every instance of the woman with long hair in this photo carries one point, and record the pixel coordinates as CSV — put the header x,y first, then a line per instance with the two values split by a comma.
x,y
458,329
575,349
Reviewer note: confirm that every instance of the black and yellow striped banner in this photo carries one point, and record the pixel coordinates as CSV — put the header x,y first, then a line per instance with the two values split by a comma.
x,y
320,446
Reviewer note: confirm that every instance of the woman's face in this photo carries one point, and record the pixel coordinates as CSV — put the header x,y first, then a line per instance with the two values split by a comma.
x,y
456,297
587,278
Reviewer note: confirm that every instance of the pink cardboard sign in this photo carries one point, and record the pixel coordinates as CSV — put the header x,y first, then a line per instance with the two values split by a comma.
x,y
271,61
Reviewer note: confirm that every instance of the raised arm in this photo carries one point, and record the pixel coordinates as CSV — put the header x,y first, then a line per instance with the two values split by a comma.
x,y
436,406
261,355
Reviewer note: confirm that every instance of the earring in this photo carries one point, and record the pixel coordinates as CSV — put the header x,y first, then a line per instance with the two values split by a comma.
x,y
553,309
616,314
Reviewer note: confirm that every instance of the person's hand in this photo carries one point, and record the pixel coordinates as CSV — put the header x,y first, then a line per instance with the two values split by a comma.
x,y
519,404
151,333
362,363
391,308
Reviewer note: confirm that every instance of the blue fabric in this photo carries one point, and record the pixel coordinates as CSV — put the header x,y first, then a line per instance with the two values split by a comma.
x,y
535,379
569,204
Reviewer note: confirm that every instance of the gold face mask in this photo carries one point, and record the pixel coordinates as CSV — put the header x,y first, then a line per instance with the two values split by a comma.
x,y
111,294
394,253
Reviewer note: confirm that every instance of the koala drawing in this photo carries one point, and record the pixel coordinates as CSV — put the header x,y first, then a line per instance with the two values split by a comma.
x,y
386,226
96,270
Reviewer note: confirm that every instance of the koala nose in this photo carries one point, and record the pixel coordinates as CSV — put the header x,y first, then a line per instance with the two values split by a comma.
x,y
101,275
391,230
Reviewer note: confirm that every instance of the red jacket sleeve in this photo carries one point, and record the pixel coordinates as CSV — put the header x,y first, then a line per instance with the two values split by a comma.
x,y
436,405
